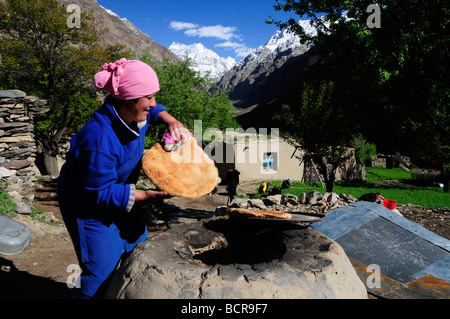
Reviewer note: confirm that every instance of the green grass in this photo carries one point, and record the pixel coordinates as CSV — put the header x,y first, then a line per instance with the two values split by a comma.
x,y
7,207
432,197
381,173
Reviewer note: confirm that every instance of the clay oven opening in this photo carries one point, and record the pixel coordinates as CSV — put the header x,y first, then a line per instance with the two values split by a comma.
x,y
246,242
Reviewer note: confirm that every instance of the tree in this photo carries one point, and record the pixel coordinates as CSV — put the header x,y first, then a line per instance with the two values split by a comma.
x,y
43,55
393,79
316,127
189,97
364,151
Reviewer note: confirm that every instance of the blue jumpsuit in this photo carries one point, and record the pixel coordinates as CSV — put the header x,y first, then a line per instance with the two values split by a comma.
x,y
96,193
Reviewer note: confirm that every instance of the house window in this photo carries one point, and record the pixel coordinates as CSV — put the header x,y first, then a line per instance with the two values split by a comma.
x,y
270,161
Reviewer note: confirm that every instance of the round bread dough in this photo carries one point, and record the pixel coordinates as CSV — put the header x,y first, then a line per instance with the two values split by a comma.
x,y
187,172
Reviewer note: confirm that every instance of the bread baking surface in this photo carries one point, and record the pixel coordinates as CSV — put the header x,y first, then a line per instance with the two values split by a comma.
x,y
188,172
263,214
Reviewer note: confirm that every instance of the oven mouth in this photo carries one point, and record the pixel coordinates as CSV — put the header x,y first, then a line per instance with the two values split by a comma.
x,y
247,243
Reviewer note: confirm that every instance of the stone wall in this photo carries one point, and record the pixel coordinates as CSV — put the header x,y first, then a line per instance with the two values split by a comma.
x,y
17,144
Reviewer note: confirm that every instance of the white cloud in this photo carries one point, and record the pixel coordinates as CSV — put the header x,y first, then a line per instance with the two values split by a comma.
x,y
240,49
178,25
214,31
228,44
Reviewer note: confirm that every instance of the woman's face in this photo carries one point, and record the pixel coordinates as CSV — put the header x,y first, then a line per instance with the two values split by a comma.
x,y
137,111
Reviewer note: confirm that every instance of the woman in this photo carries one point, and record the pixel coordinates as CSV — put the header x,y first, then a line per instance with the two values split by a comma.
x,y
96,190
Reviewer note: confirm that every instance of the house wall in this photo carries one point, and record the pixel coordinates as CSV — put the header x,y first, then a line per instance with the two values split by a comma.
x,y
248,157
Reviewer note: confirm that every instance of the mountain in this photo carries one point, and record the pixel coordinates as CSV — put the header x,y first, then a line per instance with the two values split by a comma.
x,y
268,77
204,60
121,31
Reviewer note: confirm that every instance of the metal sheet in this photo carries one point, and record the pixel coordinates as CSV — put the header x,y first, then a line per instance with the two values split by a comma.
x,y
399,253
413,262
426,287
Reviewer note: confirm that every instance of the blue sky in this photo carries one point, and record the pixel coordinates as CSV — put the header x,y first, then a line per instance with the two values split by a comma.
x,y
230,28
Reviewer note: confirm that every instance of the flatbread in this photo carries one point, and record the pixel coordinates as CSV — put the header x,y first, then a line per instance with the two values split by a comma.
x,y
187,172
263,214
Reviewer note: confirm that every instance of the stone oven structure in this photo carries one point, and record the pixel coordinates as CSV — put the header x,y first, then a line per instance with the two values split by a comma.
x,y
225,258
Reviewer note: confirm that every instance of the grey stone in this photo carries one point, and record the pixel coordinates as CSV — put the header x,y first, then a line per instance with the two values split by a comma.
x,y
331,198
258,203
302,198
348,198
4,172
240,203
290,199
273,199
12,94
313,197
22,208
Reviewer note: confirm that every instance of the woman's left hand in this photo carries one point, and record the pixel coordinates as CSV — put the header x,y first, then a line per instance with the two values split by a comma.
x,y
150,195
177,130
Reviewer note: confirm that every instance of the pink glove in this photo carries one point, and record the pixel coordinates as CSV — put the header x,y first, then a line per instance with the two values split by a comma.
x,y
171,145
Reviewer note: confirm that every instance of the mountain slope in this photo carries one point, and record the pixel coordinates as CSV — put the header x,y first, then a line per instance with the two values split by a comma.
x,y
203,59
121,31
267,78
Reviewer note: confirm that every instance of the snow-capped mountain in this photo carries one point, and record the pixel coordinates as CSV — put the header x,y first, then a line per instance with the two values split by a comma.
x,y
276,50
269,78
264,60
283,40
203,60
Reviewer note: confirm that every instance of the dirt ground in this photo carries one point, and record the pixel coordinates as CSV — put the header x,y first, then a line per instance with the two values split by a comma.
x,y
43,269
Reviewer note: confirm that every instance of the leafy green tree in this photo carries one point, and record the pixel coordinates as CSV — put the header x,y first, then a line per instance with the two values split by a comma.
x,y
42,55
364,151
317,127
392,79
189,97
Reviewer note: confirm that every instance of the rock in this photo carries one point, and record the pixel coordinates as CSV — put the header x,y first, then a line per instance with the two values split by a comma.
x,y
313,197
331,198
15,196
240,203
348,198
302,198
222,258
273,200
14,139
17,165
258,203
23,209
12,94
290,199
4,172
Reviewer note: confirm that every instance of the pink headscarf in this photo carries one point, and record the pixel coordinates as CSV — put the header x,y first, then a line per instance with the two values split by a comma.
x,y
127,79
